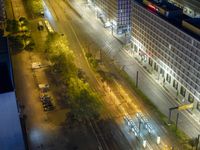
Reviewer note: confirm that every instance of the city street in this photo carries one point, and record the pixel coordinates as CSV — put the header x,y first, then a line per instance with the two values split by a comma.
x,y
154,91
86,33
86,37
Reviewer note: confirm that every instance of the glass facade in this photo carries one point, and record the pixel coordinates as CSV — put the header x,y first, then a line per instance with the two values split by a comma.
x,y
118,11
172,49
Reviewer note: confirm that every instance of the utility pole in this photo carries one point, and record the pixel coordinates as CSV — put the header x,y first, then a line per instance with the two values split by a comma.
x,y
136,79
112,28
139,127
197,142
100,53
177,116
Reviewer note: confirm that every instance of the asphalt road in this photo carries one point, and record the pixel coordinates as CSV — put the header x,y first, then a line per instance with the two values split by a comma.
x,y
18,8
76,38
156,93
84,35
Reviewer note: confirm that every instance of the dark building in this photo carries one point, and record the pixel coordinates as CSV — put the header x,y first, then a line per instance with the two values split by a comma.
x,y
11,135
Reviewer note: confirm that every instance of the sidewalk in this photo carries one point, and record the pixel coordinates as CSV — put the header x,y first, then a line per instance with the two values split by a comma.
x,y
160,97
18,9
171,92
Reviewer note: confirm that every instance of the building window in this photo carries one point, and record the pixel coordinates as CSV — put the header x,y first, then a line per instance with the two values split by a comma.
x,y
175,84
150,62
155,67
162,72
190,98
168,78
182,91
135,48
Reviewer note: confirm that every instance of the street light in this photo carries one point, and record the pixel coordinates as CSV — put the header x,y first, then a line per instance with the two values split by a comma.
x,y
197,142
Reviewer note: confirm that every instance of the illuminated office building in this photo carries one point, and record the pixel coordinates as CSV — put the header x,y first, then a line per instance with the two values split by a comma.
x,y
167,42
117,13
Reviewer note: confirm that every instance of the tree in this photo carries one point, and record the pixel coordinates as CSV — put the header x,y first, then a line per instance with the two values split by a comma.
x,y
61,56
84,103
12,26
29,43
35,6
193,142
17,42
23,21
64,65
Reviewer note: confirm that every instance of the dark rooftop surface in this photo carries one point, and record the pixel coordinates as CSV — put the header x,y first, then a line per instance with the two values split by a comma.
x,y
165,5
193,4
194,21
5,80
11,137
3,45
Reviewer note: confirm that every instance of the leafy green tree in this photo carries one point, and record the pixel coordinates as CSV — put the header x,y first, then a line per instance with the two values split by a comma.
x,y
35,6
193,142
84,103
12,26
60,55
29,43
17,42
23,21
64,65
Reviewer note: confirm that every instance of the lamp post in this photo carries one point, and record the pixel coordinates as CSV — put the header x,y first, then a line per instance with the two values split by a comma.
x,y
197,142
177,116
112,28
137,79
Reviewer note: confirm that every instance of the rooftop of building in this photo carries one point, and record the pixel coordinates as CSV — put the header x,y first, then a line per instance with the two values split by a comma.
x,y
176,21
194,21
3,45
193,4
11,136
5,76
165,5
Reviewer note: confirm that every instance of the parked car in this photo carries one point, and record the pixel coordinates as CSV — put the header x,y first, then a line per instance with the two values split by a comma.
x,y
49,108
43,86
44,96
40,26
46,103
42,13
36,65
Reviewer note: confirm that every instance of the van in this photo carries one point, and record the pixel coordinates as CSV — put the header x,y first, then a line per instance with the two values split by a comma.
x,y
40,25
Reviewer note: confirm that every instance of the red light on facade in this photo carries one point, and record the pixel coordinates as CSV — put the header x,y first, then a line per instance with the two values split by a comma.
x,y
152,7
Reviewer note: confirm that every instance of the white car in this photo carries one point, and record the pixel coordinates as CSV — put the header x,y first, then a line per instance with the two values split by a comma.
x,y
36,65
43,86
